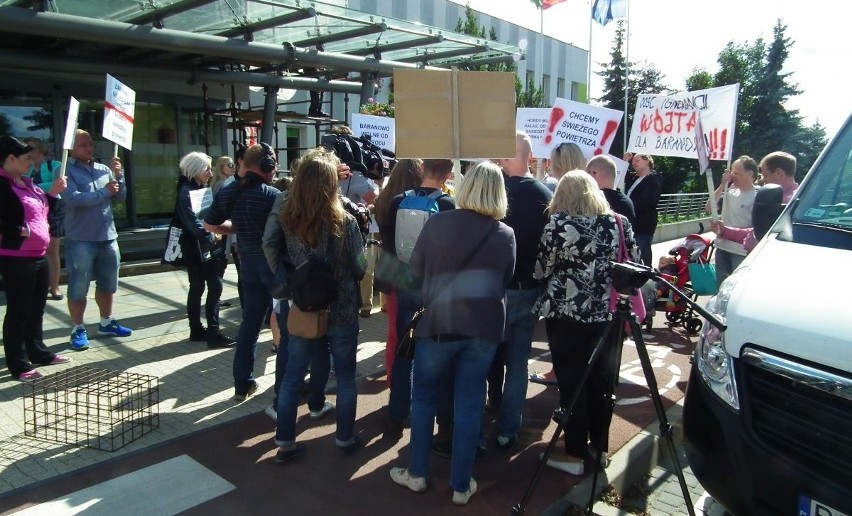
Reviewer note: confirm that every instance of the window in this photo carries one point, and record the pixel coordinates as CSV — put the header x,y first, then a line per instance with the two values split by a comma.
x,y
545,88
560,88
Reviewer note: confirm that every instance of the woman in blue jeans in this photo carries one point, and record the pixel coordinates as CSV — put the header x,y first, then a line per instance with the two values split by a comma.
x,y
464,258
316,226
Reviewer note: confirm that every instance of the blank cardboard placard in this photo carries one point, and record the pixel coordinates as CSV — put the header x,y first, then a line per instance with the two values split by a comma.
x,y
454,114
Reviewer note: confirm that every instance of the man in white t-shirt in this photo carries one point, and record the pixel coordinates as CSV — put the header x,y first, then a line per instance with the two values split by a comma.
x,y
737,193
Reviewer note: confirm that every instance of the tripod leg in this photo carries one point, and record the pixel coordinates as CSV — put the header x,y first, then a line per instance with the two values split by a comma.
x,y
565,416
665,427
609,400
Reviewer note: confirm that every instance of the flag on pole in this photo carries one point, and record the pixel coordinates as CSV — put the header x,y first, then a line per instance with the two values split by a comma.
x,y
701,145
604,11
544,4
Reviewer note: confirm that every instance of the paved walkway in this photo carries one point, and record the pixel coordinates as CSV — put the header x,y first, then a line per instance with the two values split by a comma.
x,y
195,390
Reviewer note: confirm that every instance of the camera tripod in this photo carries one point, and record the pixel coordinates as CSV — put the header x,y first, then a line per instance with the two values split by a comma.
x,y
627,278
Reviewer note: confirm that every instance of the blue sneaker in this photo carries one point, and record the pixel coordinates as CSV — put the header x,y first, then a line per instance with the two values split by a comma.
x,y
115,329
79,339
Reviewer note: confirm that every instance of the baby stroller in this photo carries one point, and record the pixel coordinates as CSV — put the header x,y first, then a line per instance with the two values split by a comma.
x,y
693,249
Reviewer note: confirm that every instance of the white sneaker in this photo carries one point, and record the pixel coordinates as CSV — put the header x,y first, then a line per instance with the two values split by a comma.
x,y
402,477
461,498
319,414
271,412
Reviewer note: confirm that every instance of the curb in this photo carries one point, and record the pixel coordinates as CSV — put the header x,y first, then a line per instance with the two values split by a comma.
x,y
627,466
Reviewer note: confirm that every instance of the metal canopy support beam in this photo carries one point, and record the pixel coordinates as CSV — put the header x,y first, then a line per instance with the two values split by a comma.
x,y
36,64
402,45
269,23
373,28
165,12
78,28
368,87
270,107
445,55
471,63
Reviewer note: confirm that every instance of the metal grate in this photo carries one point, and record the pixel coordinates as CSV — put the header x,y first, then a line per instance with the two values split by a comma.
x,y
91,407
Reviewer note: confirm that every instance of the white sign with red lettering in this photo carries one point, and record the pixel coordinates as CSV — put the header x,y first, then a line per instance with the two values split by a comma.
x,y
119,107
592,128
533,121
664,125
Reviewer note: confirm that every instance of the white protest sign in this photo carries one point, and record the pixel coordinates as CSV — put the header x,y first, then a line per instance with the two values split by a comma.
x,y
200,199
620,170
380,129
665,125
70,133
119,108
592,128
533,121
71,124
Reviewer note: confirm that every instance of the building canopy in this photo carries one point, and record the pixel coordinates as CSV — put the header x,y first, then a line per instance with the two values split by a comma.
x,y
308,45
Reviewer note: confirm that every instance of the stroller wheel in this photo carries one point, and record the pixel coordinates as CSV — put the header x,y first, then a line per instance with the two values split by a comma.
x,y
693,325
674,317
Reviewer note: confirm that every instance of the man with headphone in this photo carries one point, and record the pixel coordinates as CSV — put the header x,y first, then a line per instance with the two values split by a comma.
x,y
241,208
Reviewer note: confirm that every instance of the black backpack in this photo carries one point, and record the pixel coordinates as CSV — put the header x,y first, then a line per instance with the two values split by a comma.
x,y
312,284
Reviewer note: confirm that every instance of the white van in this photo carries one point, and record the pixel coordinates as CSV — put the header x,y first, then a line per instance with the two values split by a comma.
x,y
768,410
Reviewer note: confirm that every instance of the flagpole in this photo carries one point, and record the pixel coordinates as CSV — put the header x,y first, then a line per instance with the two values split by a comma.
x,y
626,72
589,71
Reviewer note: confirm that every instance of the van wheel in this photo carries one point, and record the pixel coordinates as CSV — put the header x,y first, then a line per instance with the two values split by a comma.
x,y
693,326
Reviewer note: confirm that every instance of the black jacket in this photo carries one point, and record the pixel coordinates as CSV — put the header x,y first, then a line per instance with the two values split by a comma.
x,y
645,198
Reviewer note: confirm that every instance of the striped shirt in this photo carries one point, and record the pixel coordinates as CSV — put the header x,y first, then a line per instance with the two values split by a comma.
x,y
248,216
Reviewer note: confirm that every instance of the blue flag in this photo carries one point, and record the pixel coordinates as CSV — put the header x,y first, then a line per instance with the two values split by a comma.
x,y
603,11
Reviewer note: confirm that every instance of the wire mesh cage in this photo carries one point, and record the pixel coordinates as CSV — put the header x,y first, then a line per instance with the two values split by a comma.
x,y
91,407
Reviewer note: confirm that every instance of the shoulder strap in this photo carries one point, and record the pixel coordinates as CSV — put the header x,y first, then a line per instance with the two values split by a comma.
x,y
437,194
622,252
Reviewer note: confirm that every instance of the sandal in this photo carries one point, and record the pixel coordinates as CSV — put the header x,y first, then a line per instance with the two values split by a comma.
x,y
55,296
543,378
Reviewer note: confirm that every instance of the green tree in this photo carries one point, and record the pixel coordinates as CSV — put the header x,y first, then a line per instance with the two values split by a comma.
x,y
764,124
5,126
531,96
642,79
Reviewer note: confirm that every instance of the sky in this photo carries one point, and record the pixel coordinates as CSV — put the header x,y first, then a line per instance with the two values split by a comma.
x,y
678,36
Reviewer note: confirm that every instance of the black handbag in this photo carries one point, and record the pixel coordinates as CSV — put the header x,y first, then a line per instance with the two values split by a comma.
x,y
407,343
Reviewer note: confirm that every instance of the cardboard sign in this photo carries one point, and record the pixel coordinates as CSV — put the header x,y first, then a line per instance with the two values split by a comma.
x,y
665,125
380,129
454,114
119,108
533,121
592,128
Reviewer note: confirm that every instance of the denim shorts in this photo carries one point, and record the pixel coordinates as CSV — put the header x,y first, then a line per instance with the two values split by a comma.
x,y
91,260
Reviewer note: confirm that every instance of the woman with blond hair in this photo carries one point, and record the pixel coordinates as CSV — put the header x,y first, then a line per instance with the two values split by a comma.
x,y
574,261
406,175
564,157
316,225
464,258
224,170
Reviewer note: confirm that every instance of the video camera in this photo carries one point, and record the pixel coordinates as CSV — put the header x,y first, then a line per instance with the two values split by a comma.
x,y
361,154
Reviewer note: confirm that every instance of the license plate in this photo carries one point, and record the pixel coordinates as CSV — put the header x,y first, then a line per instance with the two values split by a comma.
x,y
811,507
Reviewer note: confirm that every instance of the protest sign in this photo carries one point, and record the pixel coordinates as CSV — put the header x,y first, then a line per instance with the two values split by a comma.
x,y
200,199
592,128
70,132
454,114
533,121
665,125
380,129
119,108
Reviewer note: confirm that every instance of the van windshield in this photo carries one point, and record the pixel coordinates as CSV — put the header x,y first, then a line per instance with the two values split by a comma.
x,y
826,198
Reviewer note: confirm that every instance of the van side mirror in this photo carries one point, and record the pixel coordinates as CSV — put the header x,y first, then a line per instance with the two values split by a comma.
x,y
767,208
